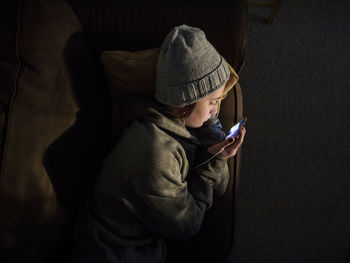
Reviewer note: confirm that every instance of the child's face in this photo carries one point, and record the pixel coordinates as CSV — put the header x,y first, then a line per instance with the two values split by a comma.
x,y
203,109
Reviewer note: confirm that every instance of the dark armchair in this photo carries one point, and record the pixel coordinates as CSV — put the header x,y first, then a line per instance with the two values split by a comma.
x,y
56,113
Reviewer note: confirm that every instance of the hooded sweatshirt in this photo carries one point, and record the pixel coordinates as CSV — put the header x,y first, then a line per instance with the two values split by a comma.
x,y
149,188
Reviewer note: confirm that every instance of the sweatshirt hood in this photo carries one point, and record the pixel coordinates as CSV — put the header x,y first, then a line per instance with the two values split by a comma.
x,y
147,109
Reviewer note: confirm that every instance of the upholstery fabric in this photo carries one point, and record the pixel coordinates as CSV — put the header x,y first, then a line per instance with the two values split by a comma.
x,y
52,122
131,72
9,65
128,74
143,24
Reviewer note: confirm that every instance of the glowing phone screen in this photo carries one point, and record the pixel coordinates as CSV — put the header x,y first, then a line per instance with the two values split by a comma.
x,y
234,130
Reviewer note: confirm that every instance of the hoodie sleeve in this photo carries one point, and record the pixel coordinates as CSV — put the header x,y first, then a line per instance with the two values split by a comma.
x,y
210,169
167,203
209,178
161,198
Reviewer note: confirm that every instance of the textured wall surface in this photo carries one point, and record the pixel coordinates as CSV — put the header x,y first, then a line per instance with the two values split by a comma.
x,y
295,179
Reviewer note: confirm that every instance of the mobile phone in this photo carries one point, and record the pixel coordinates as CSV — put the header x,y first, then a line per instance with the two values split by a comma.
x,y
235,128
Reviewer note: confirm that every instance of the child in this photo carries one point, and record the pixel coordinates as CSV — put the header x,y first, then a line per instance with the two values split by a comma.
x,y
161,176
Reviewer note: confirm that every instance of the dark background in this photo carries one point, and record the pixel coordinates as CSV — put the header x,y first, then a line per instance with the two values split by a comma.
x,y
294,199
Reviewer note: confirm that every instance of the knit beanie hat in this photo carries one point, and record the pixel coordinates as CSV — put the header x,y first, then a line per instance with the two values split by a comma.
x,y
189,68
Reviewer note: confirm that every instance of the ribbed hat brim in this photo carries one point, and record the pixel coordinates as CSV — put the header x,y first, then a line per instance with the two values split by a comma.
x,y
196,90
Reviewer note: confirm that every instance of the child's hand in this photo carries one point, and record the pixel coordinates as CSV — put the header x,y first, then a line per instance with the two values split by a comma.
x,y
228,148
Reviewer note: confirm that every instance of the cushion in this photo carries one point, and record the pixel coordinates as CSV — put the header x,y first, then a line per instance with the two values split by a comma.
x,y
131,72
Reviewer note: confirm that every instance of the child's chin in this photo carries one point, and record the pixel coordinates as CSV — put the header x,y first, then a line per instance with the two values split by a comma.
x,y
198,125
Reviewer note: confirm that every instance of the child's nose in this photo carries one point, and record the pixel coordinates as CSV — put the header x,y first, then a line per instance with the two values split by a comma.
x,y
214,110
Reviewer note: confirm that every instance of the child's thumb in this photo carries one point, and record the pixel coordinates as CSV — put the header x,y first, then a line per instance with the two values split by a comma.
x,y
227,142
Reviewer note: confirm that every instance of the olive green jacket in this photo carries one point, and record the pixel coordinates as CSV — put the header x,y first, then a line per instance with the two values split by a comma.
x,y
149,189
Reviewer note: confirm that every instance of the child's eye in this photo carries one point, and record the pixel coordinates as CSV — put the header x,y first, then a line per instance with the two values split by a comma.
x,y
214,102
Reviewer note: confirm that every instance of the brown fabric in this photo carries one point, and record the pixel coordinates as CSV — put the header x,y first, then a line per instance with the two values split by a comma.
x,y
128,74
8,63
53,144
131,72
142,24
